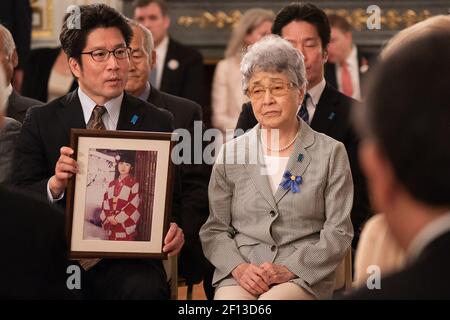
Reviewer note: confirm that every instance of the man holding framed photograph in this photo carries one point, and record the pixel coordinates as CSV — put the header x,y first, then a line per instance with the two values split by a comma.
x,y
99,59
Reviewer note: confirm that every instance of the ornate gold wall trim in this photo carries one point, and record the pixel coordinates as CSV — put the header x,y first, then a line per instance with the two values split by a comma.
x,y
391,19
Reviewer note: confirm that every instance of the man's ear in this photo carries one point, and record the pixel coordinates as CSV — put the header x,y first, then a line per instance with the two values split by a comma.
x,y
301,95
380,176
348,35
166,22
153,66
75,67
325,54
15,58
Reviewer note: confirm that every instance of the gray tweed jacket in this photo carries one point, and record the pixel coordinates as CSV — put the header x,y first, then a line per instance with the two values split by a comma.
x,y
308,231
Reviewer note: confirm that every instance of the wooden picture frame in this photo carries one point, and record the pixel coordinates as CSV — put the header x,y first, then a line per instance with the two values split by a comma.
x,y
119,203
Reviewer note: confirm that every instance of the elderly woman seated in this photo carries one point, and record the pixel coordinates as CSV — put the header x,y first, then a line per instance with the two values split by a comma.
x,y
280,195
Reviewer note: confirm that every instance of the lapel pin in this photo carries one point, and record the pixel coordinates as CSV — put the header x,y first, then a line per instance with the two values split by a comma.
x,y
134,119
291,182
300,157
173,64
331,116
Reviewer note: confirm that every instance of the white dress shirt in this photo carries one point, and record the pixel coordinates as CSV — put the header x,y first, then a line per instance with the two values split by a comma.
x,y
161,52
353,68
110,119
276,167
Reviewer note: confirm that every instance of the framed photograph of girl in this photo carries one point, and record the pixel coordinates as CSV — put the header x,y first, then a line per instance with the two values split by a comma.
x,y
119,203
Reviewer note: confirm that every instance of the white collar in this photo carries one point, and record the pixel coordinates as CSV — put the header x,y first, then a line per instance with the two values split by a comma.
x,y
316,92
352,59
112,107
163,45
427,234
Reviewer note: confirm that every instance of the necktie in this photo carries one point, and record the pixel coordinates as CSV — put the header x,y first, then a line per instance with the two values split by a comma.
x,y
346,80
303,112
96,122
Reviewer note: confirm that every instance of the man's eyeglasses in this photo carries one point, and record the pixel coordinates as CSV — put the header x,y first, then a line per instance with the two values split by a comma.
x,y
276,89
101,55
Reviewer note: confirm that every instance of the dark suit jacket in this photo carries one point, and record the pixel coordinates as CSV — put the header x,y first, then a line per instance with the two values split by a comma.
x,y
33,249
194,186
18,105
426,278
186,79
9,133
37,73
332,117
15,15
363,59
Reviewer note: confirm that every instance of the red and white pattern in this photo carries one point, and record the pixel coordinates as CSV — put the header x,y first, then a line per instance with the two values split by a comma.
x,y
126,212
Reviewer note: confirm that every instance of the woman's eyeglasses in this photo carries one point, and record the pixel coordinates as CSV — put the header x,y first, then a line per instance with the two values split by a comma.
x,y
277,89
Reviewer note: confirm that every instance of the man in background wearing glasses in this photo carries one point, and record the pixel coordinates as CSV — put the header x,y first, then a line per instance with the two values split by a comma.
x,y
99,59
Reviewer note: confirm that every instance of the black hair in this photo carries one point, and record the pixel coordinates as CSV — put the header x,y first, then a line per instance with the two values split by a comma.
x,y
73,38
304,12
127,156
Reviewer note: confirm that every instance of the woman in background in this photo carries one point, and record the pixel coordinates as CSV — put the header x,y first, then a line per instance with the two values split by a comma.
x,y
227,95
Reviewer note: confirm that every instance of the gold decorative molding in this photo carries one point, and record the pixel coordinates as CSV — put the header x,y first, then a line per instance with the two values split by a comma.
x,y
391,19
219,19
42,18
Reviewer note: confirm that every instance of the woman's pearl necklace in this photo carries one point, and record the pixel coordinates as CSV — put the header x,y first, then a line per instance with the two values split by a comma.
x,y
282,148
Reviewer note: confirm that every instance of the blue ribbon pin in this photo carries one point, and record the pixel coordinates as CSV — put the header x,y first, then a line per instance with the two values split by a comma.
x,y
291,182
134,119
331,116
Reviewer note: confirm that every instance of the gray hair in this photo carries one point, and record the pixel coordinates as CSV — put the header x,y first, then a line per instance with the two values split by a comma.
x,y
8,44
148,37
251,19
3,96
272,53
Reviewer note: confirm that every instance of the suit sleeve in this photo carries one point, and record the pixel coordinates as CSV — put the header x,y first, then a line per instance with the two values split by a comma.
x,y
30,168
194,190
194,208
337,232
8,137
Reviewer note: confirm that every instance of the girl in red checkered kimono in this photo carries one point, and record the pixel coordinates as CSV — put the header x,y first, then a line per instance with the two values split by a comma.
x,y
120,209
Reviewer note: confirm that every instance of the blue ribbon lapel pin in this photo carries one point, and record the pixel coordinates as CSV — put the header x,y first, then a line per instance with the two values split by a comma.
x,y
134,119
